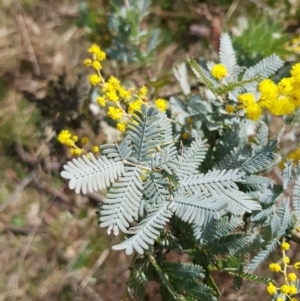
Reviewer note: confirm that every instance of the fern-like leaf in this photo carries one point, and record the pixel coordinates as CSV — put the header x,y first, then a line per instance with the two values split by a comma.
x,y
287,174
296,199
227,54
91,174
144,133
265,68
263,254
122,202
146,232
197,209
240,203
212,182
192,158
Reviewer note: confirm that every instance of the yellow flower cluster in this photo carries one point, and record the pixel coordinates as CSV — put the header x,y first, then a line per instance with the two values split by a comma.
x,y
289,288
66,138
219,71
120,101
283,98
252,108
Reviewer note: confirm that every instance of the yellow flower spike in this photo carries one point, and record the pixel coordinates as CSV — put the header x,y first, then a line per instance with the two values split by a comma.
x,y
95,149
87,62
94,79
293,290
285,246
219,71
285,289
115,113
84,140
271,288
275,267
292,277
97,65
101,101
253,111
161,104
286,260
121,126
63,136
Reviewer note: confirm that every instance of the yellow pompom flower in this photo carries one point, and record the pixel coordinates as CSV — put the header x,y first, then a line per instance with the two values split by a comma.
x,y
285,85
295,72
269,92
286,260
87,62
114,82
142,92
285,246
97,65
74,138
219,71
185,135
115,113
101,101
294,299
99,54
229,109
271,288
282,106
123,93
293,290
76,151
63,136
253,111
94,79
280,299
246,98
121,126
161,104
292,277
274,267
84,140
135,106
112,96
285,289
297,265
95,149
69,142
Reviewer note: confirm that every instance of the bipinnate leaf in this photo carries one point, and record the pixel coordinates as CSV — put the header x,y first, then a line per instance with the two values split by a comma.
x,y
91,174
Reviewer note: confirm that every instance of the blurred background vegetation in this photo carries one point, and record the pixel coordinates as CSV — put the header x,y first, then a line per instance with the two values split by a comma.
x,y
51,247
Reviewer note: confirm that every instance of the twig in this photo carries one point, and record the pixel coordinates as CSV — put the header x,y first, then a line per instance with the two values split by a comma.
x,y
14,195
26,39
22,231
96,266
